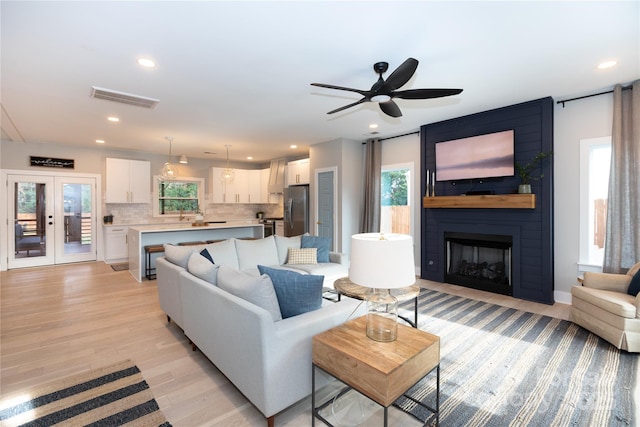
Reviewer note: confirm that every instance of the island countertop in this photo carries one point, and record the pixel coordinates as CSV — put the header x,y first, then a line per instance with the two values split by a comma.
x,y
155,234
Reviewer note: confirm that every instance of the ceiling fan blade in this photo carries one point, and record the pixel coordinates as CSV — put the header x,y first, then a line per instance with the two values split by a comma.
x,y
361,92
390,108
347,106
424,93
400,75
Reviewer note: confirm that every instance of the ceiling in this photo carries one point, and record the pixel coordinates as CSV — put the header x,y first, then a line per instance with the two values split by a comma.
x,y
238,73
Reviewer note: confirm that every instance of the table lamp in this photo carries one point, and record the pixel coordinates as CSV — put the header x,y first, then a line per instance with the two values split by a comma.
x,y
382,261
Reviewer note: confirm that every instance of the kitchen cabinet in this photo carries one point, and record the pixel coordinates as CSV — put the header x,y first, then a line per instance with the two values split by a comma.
x,y
248,186
276,176
116,248
128,181
298,172
279,228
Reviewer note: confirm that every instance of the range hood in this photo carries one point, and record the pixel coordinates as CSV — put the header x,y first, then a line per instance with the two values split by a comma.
x,y
276,176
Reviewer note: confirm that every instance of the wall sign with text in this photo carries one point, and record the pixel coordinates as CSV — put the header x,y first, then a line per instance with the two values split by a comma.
x,y
50,162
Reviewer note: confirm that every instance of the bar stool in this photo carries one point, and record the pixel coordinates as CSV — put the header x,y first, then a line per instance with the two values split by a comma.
x,y
148,269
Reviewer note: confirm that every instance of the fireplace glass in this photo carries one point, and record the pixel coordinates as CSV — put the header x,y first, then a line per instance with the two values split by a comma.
x,y
479,261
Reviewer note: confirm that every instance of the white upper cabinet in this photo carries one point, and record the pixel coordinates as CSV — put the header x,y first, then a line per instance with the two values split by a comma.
x,y
298,172
248,186
128,181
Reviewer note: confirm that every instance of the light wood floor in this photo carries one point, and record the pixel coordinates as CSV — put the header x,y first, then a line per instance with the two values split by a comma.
x,y
61,320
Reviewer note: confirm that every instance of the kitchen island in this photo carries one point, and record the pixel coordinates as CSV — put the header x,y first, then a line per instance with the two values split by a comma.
x,y
140,236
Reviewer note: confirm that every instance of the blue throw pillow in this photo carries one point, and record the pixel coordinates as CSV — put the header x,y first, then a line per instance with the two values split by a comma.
x,y
634,286
297,293
205,253
323,245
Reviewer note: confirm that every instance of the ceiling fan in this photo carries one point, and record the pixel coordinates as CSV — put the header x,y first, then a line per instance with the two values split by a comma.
x,y
383,91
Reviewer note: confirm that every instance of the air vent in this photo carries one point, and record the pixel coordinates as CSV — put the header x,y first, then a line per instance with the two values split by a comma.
x,y
123,98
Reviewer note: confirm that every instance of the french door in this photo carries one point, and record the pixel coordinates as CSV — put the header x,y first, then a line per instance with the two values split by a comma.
x,y
52,218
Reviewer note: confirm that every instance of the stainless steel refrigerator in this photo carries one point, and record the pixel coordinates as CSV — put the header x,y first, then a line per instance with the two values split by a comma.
x,y
296,210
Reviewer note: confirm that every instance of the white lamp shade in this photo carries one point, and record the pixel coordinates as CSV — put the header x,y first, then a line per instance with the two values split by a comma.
x,y
382,260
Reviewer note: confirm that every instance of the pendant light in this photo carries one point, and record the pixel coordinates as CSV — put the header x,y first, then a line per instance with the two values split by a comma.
x,y
227,173
169,171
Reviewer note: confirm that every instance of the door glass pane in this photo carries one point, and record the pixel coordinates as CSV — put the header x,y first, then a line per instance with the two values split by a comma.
x,y
30,221
395,209
77,218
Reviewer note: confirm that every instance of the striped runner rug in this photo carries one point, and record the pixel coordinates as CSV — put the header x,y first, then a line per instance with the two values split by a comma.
x,y
111,396
504,367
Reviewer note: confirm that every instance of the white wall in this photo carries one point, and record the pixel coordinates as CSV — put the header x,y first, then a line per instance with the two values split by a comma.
x,y
406,149
581,119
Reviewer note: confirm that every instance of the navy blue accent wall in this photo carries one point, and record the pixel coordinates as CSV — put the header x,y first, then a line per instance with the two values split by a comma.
x,y
531,229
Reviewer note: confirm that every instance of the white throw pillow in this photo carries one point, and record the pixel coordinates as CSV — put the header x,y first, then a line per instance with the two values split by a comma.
x,y
179,255
302,256
283,244
256,252
224,253
201,267
256,290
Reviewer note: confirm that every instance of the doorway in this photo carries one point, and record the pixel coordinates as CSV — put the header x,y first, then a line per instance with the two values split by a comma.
x,y
52,219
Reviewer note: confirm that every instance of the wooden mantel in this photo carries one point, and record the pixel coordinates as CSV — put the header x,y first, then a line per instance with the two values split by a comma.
x,y
494,201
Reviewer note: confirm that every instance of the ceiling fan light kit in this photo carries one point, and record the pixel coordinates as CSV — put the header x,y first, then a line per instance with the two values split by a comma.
x,y
383,91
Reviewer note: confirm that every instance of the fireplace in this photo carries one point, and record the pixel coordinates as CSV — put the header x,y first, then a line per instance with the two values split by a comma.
x,y
479,261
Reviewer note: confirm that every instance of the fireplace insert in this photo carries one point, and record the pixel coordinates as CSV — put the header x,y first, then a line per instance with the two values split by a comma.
x,y
479,261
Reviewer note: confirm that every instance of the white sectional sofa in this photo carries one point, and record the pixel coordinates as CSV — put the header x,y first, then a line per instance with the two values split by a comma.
x,y
268,360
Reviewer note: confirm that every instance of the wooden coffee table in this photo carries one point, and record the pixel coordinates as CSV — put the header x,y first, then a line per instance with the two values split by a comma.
x,y
346,287
382,371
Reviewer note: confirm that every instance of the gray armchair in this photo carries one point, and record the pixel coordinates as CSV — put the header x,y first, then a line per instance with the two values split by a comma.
x,y
603,306
26,243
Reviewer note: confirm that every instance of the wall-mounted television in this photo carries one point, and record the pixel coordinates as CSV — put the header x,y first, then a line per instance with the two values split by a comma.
x,y
476,157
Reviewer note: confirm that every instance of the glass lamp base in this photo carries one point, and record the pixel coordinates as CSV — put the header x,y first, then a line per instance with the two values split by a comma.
x,y
382,316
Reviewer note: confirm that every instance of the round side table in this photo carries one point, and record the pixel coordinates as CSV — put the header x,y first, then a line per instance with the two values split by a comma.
x,y
346,287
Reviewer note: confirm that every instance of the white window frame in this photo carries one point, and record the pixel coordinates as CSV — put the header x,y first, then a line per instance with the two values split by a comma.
x,y
586,211
156,195
410,186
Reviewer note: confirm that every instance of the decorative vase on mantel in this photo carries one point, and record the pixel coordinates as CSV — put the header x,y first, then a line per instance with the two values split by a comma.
x,y
524,189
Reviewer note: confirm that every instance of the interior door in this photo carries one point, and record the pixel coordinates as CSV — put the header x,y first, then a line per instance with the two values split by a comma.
x,y
31,210
53,220
325,208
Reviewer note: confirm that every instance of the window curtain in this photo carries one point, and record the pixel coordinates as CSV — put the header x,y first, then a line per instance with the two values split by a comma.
x,y
370,221
622,237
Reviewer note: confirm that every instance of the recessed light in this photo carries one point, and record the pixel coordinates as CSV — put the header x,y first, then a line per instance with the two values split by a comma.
x,y
607,64
373,126
100,141
113,119
249,158
146,63
293,146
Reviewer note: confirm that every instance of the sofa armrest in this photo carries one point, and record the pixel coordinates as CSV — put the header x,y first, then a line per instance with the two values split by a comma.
x,y
339,258
607,281
637,304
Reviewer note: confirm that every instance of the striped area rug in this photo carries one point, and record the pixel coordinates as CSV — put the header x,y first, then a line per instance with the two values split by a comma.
x,y
504,367
111,396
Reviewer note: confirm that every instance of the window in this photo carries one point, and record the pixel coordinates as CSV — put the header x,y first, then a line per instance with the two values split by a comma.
x,y
395,199
595,158
178,197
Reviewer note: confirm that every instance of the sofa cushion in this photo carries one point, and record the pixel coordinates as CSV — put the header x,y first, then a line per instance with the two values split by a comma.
x,y
254,252
224,252
302,256
323,245
297,293
634,286
613,302
257,290
179,255
283,244
200,266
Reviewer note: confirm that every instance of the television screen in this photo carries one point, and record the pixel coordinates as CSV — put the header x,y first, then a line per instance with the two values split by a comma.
x,y
483,156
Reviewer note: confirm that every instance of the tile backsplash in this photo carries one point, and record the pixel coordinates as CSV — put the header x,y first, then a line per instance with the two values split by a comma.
x,y
124,213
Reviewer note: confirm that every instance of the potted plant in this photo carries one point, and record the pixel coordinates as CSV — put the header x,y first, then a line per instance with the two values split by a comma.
x,y
525,172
